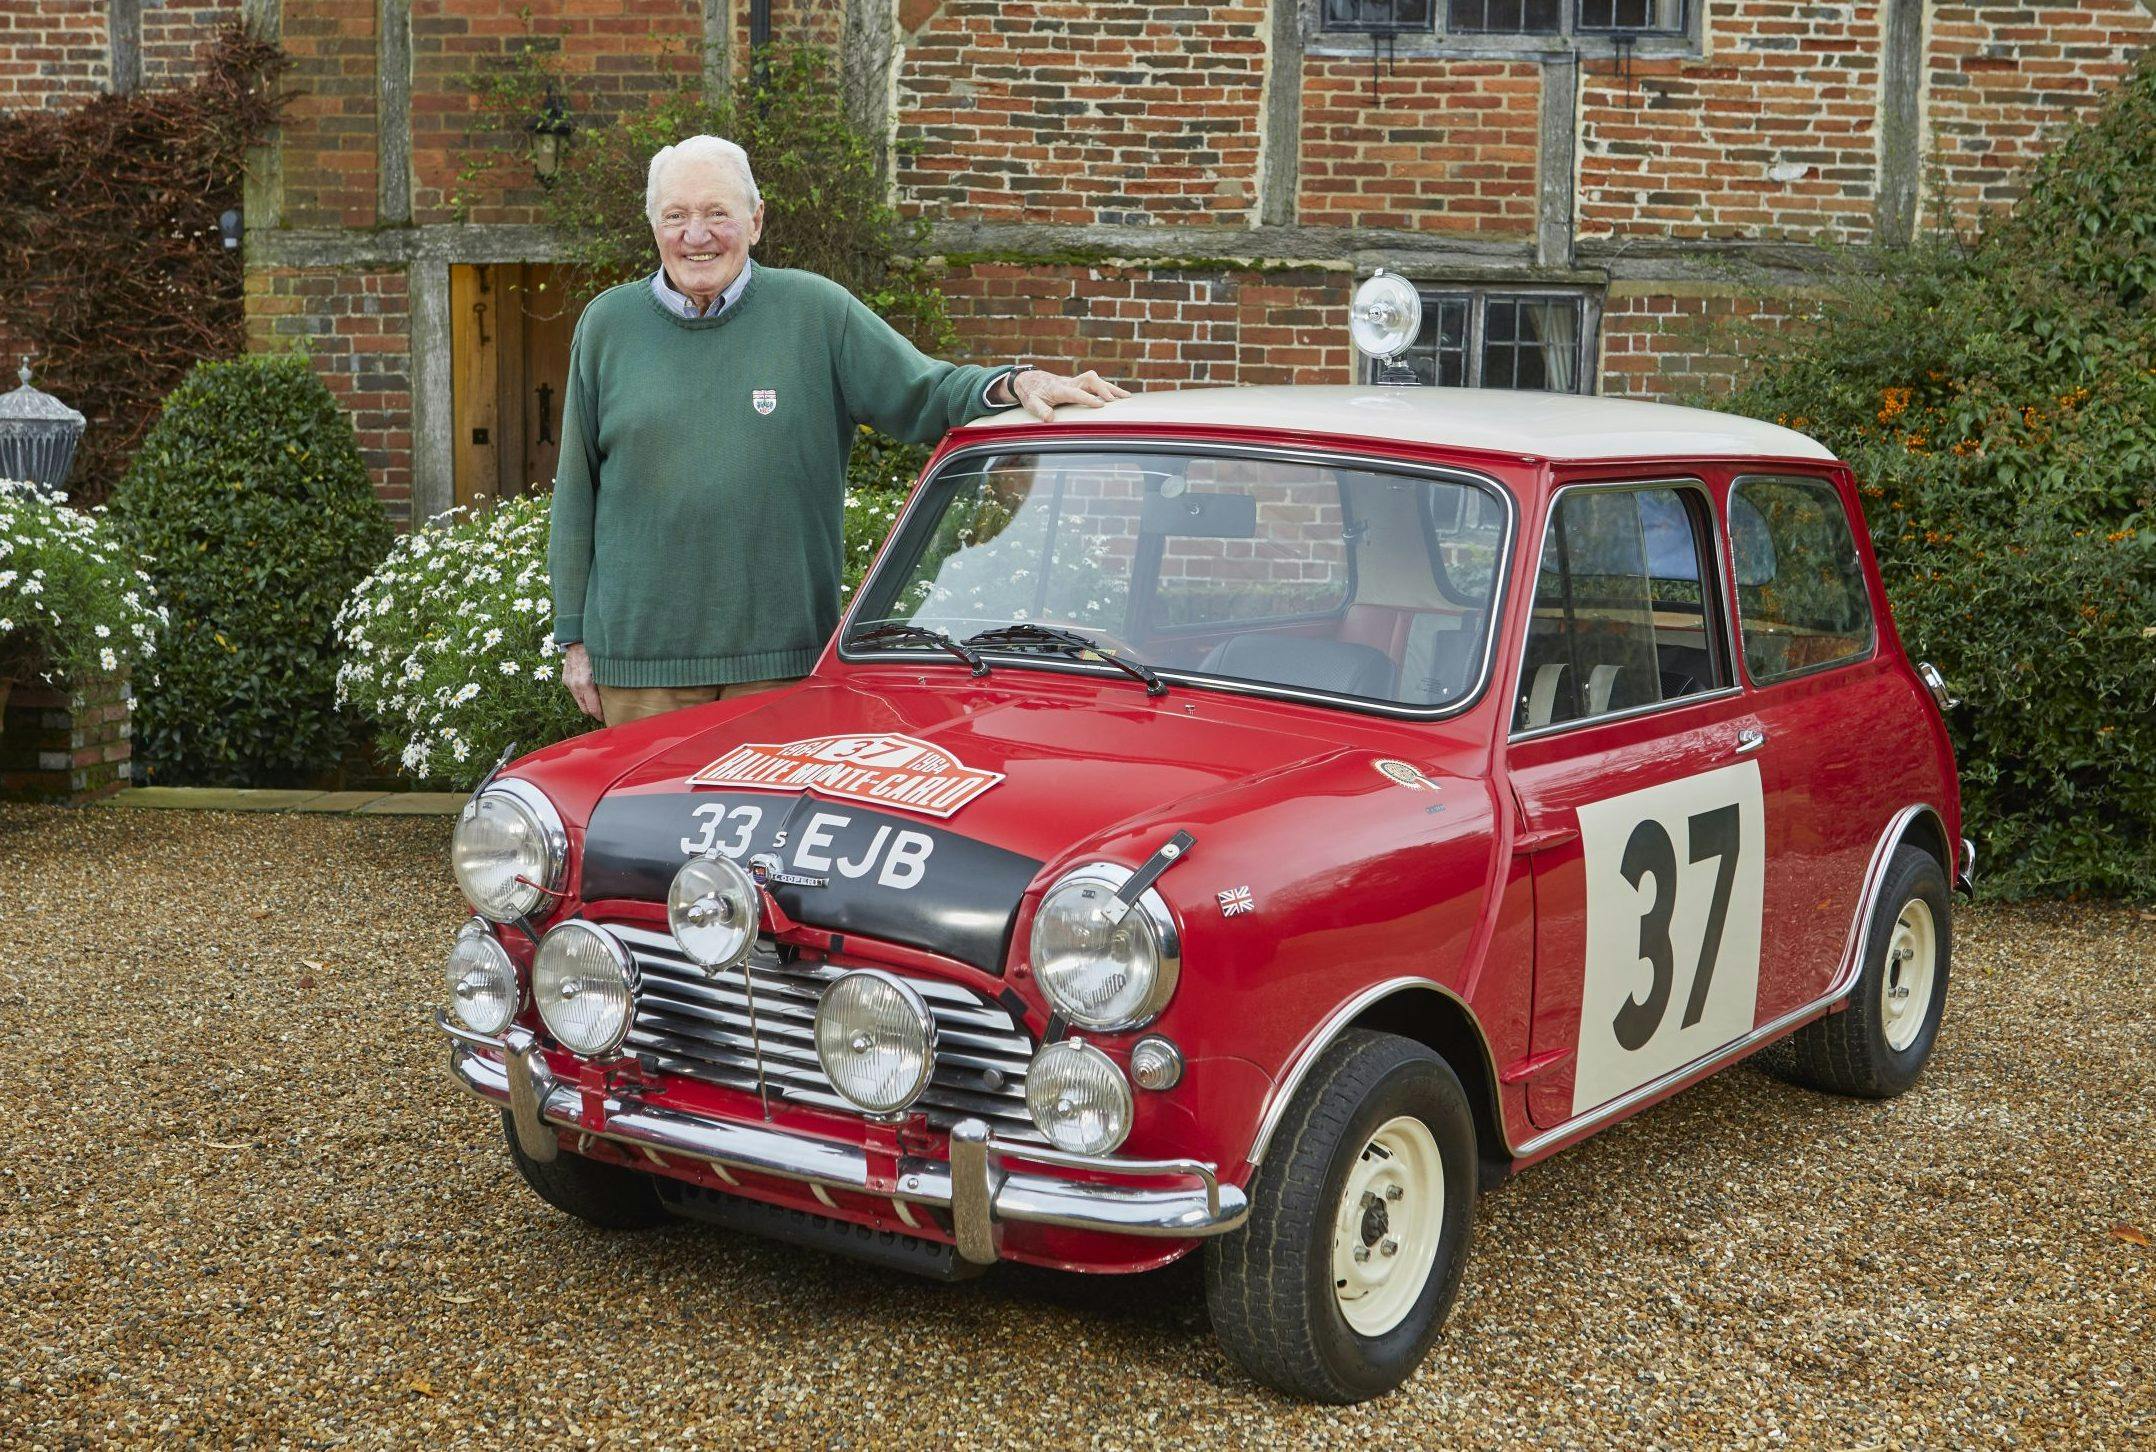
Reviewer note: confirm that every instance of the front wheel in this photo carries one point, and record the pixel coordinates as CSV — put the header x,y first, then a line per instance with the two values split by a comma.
x,y
595,1192
1336,1285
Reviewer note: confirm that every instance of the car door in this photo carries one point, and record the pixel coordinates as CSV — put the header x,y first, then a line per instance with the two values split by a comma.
x,y
1632,757
1832,713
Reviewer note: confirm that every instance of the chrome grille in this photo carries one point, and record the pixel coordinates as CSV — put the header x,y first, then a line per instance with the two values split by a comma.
x,y
689,1024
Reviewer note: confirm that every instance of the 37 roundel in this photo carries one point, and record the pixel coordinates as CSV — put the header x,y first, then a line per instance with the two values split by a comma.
x,y
1676,878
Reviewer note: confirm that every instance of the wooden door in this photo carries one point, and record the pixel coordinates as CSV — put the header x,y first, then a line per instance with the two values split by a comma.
x,y
510,330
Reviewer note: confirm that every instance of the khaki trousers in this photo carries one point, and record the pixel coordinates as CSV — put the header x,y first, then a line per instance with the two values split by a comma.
x,y
633,703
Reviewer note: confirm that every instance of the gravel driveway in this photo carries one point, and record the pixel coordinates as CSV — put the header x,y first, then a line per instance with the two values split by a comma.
x,y
242,1204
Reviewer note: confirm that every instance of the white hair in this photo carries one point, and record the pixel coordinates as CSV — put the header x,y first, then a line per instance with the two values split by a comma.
x,y
715,147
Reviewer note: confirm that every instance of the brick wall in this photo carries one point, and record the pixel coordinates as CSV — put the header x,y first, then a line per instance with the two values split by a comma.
x,y
1110,112
52,53
329,130
173,31
614,57
793,22
1772,136
1446,146
2003,78
1673,341
57,746
356,327
1161,327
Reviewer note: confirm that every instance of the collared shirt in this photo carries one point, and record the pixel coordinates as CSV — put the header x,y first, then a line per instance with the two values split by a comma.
x,y
682,303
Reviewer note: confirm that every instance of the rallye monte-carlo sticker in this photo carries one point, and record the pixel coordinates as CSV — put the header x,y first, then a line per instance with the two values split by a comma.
x,y
839,867
882,770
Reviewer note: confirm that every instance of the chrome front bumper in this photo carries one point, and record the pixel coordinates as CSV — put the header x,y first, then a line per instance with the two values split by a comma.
x,y
973,1185
1965,867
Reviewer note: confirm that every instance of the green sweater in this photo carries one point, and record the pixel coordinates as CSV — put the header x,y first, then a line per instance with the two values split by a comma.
x,y
697,537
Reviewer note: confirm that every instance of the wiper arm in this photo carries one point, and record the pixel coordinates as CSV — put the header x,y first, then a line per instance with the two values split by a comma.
x,y
1049,637
892,631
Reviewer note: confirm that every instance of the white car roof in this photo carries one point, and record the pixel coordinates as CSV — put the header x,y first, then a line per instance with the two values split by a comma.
x,y
1554,426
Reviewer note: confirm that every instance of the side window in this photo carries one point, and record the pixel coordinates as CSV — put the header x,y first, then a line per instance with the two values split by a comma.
x,y
1624,608
1801,597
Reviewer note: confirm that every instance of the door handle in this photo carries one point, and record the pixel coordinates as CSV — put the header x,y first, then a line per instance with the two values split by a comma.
x,y
1749,740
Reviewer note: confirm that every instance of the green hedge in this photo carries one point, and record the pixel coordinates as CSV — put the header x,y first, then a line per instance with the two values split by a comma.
x,y
255,516
1997,398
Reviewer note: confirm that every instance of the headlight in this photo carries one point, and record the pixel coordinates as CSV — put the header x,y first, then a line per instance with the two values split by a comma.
x,y
510,832
876,1039
712,908
1078,1098
1103,968
584,982
482,980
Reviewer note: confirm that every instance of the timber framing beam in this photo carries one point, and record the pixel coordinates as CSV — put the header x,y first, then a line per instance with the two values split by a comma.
x,y
123,24
393,111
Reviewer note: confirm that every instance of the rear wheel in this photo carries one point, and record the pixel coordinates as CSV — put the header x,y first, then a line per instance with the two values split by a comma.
x,y
596,1193
1336,1285
1877,1046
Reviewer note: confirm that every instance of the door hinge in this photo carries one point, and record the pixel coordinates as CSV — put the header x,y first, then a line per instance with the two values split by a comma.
x,y
1543,840
1532,1065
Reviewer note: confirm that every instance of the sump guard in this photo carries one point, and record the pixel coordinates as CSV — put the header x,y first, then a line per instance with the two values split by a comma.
x,y
835,865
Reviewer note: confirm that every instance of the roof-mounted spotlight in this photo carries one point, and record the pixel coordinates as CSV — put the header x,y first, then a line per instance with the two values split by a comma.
x,y
1384,319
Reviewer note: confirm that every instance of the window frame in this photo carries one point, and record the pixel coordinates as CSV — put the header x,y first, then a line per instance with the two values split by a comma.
x,y
1500,585
1326,38
1478,296
1736,601
1716,615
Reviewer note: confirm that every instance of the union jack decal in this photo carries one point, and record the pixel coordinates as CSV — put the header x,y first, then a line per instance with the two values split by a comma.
x,y
1235,902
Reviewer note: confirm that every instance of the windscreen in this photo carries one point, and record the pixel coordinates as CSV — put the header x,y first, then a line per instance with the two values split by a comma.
x,y
1302,576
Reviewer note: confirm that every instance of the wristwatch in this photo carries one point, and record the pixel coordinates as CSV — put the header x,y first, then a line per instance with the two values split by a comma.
x,y
1010,381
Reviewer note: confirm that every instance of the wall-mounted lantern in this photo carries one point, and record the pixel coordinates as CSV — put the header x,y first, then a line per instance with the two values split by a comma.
x,y
228,227
550,128
38,434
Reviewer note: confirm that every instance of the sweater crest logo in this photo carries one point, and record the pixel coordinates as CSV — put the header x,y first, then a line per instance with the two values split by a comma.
x,y
884,770
765,399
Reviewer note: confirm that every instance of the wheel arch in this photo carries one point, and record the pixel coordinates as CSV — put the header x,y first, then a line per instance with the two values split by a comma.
x,y
1429,1014
1926,829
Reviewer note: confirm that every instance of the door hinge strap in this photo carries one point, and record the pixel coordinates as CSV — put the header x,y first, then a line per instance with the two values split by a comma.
x,y
1543,840
1532,1065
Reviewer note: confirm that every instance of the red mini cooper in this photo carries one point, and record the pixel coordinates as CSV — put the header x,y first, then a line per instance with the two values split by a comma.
x,y
1248,820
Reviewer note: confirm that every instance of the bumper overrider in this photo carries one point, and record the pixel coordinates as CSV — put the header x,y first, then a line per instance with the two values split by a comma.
x,y
973,1186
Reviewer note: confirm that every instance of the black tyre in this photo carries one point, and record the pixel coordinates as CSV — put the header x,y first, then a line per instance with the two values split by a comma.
x,y
1336,1285
1876,1047
596,1193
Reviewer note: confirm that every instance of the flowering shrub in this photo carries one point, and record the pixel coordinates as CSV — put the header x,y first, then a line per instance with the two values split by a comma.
x,y
449,645
870,514
69,605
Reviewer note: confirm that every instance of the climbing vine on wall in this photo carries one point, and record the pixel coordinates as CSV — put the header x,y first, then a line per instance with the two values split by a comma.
x,y
113,273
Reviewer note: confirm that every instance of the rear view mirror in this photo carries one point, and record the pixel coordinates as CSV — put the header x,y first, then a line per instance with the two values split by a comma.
x,y
1202,516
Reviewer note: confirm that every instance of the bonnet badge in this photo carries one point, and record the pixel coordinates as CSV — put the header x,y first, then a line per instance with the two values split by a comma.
x,y
765,399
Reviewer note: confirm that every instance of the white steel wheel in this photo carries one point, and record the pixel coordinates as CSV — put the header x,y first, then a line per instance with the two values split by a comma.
x,y
1905,985
1387,1225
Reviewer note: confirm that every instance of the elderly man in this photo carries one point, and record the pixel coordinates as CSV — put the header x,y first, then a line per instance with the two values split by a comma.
x,y
697,532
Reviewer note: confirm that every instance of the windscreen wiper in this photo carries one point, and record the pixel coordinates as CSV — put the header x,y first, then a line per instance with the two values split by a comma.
x,y
1048,637
895,631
